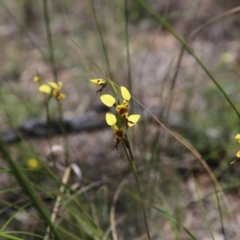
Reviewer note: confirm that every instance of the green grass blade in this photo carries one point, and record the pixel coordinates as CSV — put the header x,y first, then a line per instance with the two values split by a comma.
x,y
164,213
7,236
12,217
25,233
203,211
28,187
129,75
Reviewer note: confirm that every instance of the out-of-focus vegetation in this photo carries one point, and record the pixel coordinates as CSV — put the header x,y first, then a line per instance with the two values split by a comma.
x,y
189,188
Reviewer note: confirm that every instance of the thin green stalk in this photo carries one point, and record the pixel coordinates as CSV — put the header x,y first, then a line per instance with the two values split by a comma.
x,y
134,169
7,236
63,130
102,40
220,212
48,121
168,27
9,220
49,37
28,187
25,233
203,211
164,213
129,76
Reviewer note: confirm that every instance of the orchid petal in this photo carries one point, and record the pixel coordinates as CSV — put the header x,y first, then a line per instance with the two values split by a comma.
x,y
125,93
111,119
108,100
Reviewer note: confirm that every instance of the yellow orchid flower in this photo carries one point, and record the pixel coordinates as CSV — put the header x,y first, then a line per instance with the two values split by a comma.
x,y
54,89
122,108
100,81
119,133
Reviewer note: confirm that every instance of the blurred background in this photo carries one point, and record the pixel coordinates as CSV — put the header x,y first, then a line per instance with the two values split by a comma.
x,y
162,76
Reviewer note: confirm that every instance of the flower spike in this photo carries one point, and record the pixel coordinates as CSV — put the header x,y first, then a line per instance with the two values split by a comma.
x,y
122,110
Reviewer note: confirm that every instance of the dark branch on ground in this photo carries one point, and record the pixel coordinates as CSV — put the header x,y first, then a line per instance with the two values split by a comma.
x,y
38,128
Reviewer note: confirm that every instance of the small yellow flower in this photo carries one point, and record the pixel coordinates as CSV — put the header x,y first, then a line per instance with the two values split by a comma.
x,y
237,137
54,89
37,78
101,82
32,163
119,133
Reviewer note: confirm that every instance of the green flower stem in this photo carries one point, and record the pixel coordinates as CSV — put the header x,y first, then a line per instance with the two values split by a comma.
x,y
132,162
49,137
48,121
168,27
102,40
63,130
119,118
29,189
49,37
203,210
113,88
129,76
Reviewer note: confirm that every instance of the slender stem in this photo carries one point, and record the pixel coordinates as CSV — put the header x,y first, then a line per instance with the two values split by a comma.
x,y
102,40
220,212
129,77
135,171
49,37
63,130
203,210
48,121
